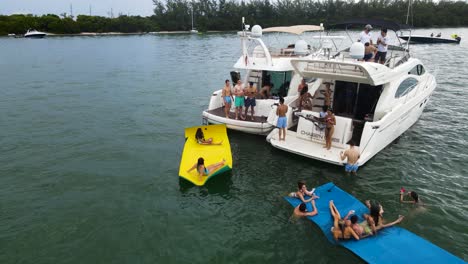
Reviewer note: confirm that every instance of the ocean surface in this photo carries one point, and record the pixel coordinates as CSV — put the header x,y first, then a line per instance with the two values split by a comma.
x,y
91,135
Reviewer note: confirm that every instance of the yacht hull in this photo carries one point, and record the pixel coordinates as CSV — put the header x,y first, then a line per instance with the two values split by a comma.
x,y
376,135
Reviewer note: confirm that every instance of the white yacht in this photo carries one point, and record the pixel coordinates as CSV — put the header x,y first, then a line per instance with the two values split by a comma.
x,y
32,33
263,66
373,103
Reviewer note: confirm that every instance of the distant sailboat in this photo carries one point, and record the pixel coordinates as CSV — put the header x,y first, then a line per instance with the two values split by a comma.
x,y
193,31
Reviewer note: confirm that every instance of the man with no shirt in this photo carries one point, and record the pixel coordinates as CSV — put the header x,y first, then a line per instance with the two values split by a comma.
x,y
227,98
352,154
282,120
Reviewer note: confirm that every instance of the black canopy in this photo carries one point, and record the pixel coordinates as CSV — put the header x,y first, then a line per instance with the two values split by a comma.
x,y
373,22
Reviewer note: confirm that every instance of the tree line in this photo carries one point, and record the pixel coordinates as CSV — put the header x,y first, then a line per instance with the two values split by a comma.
x,y
224,15
19,24
227,14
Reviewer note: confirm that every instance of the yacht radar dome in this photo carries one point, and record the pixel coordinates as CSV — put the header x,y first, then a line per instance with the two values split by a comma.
x,y
300,47
356,51
256,31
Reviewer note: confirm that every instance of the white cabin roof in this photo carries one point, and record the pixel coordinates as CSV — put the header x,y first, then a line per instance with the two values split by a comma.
x,y
298,30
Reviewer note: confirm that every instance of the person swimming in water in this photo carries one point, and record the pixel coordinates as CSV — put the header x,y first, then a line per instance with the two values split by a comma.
x,y
200,137
341,227
206,170
413,195
301,210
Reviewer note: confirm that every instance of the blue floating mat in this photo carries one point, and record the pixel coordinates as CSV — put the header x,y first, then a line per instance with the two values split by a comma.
x,y
390,245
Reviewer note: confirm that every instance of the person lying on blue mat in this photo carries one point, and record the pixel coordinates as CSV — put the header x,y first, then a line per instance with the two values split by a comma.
x,y
375,218
301,210
341,227
302,191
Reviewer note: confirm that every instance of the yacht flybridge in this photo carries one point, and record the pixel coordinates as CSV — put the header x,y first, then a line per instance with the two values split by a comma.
x,y
265,67
373,103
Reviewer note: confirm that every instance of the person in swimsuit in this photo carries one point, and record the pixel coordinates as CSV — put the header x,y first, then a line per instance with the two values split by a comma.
x,y
341,227
375,218
251,92
301,86
206,170
305,99
362,229
200,137
413,196
301,210
282,119
302,191
330,122
227,97
239,100
352,155
265,92
327,95
369,51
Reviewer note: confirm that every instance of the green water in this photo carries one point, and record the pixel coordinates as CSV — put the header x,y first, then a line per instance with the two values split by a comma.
x,y
92,133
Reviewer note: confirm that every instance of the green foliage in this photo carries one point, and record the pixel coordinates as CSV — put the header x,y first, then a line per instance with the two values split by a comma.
x,y
49,23
226,15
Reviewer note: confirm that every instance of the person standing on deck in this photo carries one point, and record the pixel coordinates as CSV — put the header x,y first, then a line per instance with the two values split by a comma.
x,y
330,122
251,92
352,154
327,95
382,47
282,119
239,101
366,35
227,97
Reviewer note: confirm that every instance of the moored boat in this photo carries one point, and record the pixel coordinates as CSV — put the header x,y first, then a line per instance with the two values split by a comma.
x,y
418,39
263,67
373,103
32,33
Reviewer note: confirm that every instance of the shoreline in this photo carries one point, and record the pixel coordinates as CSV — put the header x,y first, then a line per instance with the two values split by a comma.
x,y
93,34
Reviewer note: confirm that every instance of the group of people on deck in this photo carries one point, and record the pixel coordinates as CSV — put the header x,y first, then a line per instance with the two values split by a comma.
x,y
244,96
371,53
349,226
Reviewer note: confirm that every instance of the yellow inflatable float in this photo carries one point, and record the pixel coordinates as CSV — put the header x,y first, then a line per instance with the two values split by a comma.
x,y
214,148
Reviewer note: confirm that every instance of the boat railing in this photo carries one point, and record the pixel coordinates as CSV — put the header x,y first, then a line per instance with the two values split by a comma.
x,y
335,68
286,52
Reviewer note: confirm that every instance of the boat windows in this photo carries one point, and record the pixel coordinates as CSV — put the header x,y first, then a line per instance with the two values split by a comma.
x,y
418,70
355,100
280,81
405,87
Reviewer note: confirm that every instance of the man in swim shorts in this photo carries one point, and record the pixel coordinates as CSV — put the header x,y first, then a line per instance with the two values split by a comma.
x,y
239,101
369,51
282,119
227,97
251,92
352,155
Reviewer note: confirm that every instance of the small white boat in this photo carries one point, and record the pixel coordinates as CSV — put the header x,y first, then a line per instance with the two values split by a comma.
x,y
373,103
32,33
263,66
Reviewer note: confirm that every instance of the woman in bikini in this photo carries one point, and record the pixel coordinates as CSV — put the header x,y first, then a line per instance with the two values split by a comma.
x,y
341,227
200,137
375,218
362,229
330,122
206,170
